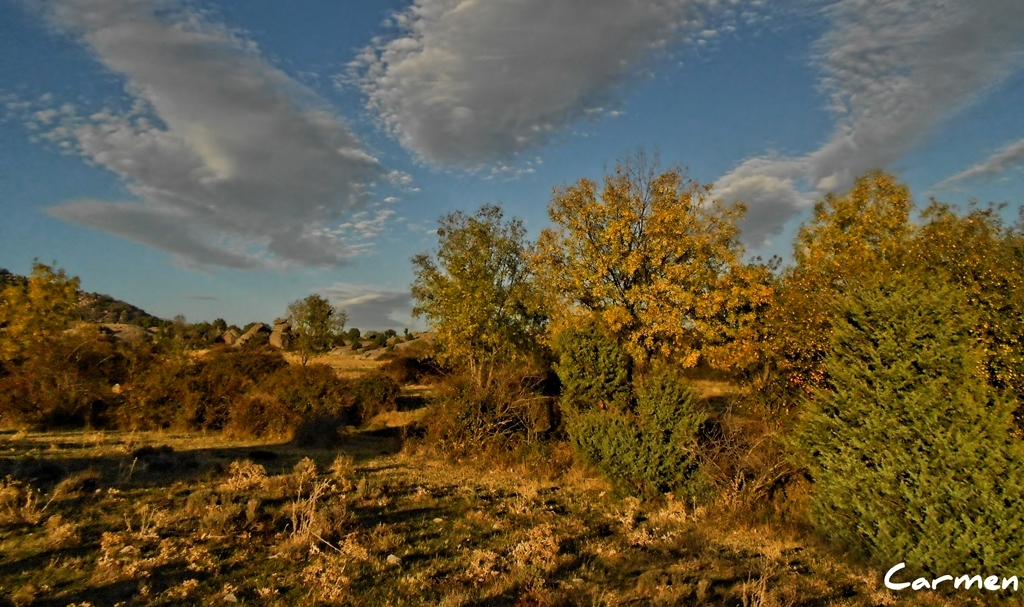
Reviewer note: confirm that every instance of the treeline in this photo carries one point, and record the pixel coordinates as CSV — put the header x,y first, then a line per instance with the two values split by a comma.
x,y
877,378
59,372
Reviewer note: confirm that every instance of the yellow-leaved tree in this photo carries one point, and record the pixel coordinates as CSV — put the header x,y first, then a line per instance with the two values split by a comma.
x,y
658,261
864,233
477,292
37,311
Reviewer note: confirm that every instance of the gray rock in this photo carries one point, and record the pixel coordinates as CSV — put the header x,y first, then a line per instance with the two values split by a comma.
x,y
128,333
253,331
281,336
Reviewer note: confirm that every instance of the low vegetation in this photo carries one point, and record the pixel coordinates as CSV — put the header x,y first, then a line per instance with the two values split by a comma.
x,y
627,411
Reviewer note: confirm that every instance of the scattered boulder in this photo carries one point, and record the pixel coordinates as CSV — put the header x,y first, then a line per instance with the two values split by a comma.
x,y
127,333
254,331
281,335
230,337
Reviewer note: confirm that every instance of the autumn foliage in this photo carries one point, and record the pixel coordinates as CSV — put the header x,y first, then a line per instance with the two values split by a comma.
x,y
886,359
656,259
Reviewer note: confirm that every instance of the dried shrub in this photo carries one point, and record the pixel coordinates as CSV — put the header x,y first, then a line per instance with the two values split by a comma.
x,y
19,503
310,391
184,393
61,533
343,472
62,382
502,416
245,476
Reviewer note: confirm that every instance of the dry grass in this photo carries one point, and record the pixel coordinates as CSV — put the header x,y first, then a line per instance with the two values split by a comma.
x,y
270,524
350,364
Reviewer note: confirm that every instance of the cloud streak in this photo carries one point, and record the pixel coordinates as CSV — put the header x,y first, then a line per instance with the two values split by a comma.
x,y
469,82
232,162
894,70
370,307
1003,160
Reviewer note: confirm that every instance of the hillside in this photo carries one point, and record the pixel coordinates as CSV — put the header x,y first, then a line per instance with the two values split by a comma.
x,y
96,307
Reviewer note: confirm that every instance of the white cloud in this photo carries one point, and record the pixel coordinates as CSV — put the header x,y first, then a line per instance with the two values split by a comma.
x,y
371,307
1003,160
469,82
233,163
363,226
768,186
400,179
894,69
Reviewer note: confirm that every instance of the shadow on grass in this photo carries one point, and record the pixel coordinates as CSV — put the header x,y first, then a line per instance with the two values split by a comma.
x,y
160,465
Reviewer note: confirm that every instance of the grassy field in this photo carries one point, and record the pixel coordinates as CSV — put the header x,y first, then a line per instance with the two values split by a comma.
x,y
162,519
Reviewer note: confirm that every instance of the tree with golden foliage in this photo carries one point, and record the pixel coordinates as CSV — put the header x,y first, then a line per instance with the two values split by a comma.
x,y
477,292
657,260
37,311
863,233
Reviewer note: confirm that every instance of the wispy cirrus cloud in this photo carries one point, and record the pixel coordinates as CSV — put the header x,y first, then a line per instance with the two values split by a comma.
x,y
894,70
371,307
1005,159
231,162
469,82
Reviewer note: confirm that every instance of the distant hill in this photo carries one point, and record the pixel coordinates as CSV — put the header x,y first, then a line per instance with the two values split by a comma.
x,y
96,307
100,308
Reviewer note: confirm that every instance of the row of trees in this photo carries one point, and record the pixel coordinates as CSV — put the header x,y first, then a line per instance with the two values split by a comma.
x,y
887,358
658,262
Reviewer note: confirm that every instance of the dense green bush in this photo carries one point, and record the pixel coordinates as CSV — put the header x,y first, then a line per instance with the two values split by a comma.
x,y
642,434
594,371
910,450
652,449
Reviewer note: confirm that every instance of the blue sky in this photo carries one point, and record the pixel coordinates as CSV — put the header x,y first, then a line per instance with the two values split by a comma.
x,y
222,159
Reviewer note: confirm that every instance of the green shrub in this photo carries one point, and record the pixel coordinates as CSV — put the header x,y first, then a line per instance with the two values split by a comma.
x,y
312,390
910,450
376,393
651,450
594,371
